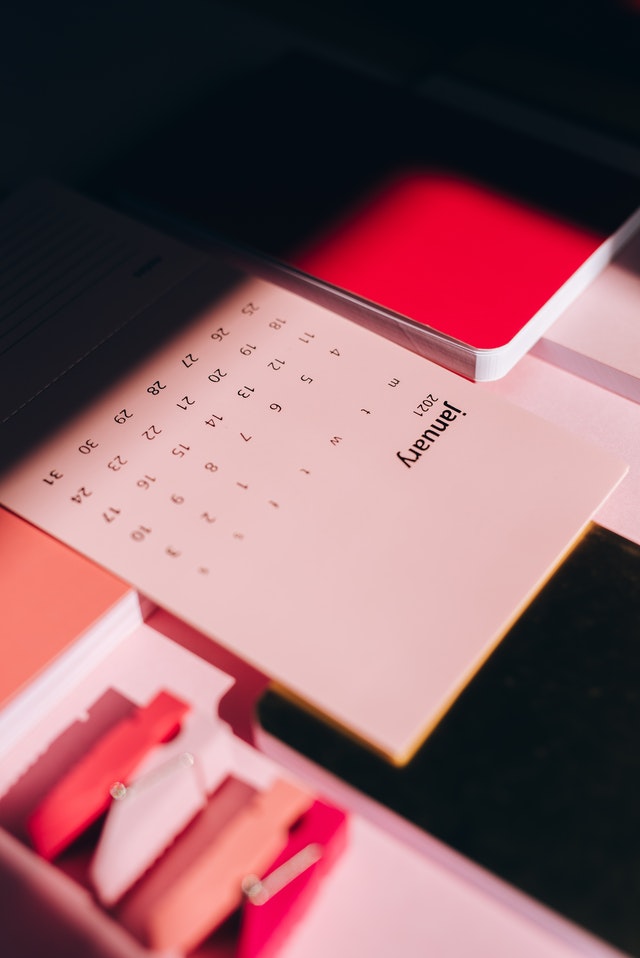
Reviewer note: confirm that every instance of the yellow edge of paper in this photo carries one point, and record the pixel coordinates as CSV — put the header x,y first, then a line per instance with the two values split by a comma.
x,y
400,759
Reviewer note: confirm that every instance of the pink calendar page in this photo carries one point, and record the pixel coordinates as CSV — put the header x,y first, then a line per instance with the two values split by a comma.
x,y
358,523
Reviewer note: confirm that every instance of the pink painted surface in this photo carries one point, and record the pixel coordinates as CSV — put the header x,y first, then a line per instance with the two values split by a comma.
x,y
598,336
591,412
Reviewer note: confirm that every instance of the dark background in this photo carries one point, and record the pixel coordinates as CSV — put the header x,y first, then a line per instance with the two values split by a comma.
x,y
81,84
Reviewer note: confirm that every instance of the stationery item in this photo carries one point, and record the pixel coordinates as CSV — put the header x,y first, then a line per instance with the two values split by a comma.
x,y
35,563
534,771
199,882
170,787
485,270
598,336
80,611
460,235
131,672
83,794
199,793
276,901
590,412
62,262
281,460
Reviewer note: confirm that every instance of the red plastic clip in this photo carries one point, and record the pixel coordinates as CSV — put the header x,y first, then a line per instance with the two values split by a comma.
x,y
84,793
275,902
